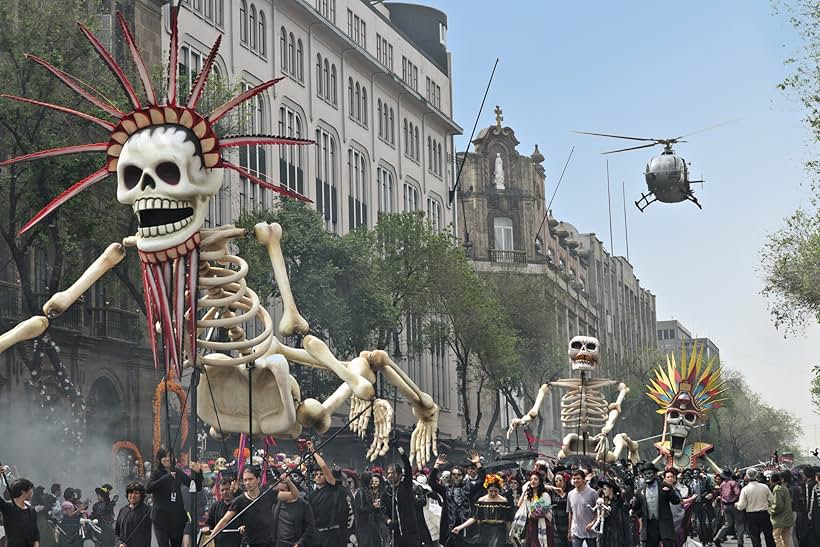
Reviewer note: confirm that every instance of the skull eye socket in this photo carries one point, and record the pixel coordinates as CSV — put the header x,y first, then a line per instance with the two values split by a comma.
x,y
575,345
690,416
168,172
131,176
674,414
591,346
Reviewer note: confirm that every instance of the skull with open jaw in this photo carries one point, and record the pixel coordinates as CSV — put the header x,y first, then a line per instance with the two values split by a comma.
x,y
162,176
584,352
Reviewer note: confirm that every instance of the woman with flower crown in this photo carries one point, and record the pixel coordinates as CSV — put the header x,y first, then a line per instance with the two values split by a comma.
x,y
492,512
538,505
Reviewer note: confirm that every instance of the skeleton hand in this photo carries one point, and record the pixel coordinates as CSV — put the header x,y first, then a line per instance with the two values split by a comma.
x,y
382,421
518,422
603,445
423,440
359,425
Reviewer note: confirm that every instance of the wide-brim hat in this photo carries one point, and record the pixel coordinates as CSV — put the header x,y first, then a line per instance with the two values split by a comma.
x,y
726,475
104,490
609,482
649,466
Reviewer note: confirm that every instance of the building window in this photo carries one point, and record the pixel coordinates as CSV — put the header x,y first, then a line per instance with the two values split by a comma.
x,y
356,29
320,87
291,157
434,163
243,22
357,101
411,140
409,73
327,9
263,39
283,49
333,95
411,198
442,34
326,179
381,123
392,127
253,157
384,180
435,213
384,51
539,246
357,199
219,12
433,93
503,228
189,65
252,26
550,255
300,61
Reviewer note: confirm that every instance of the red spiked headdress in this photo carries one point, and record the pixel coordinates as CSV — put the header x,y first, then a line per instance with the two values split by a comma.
x,y
152,113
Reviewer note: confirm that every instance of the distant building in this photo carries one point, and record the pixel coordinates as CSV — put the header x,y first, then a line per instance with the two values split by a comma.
x,y
503,222
672,334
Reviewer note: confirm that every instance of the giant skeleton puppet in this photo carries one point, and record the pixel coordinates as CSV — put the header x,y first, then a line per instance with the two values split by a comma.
x,y
586,416
685,395
168,162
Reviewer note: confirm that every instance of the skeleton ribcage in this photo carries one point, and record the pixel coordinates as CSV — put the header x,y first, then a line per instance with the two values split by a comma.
x,y
584,410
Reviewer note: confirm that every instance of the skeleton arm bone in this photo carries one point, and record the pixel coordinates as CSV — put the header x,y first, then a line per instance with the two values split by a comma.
x,y
543,391
270,235
423,438
60,302
715,467
615,409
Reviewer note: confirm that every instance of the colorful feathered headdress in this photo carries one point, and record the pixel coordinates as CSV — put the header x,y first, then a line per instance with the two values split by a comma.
x,y
151,112
691,386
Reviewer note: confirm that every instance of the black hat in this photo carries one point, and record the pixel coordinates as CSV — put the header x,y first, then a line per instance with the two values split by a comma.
x,y
605,481
104,490
726,475
649,466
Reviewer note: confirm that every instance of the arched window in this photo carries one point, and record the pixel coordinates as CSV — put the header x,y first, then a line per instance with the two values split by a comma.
x,y
503,228
358,101
333,84
263,37
300,61
283,49
252,26
291,54
381,122
392,128
291,157
385,122
357,198
326,178
326,78
430,161
406,147
243,21
350,98
319,82
440,161
416,142
253,157
219,12
364,106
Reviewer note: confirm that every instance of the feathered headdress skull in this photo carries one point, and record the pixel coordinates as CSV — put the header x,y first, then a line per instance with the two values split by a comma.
x,y
691,387
150,113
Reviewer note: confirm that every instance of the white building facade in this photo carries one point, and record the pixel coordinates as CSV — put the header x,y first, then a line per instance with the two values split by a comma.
x,y
371,84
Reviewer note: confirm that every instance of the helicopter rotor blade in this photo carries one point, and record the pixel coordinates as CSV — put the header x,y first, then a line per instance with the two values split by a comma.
x,y
613,136
721,124
631,148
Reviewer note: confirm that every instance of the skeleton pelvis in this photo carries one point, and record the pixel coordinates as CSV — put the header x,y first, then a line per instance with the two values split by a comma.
x,y
573,444
273,409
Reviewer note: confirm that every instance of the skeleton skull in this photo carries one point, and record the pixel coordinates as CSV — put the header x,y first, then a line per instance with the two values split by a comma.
x,y
584,352
161,175
681,417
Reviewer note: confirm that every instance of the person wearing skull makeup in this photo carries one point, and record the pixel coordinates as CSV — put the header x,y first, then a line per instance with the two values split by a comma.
x,y
654,500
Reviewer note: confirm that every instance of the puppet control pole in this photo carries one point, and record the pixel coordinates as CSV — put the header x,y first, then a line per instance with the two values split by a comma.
x,y
250,366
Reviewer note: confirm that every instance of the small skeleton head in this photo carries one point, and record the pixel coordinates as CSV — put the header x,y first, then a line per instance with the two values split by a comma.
x,y
681,416
160,173
584,352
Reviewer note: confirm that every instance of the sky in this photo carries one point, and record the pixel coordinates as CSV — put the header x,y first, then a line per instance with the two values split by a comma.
x,y
650,70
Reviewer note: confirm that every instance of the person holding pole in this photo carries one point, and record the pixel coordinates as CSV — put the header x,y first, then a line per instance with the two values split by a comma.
x,y
19,518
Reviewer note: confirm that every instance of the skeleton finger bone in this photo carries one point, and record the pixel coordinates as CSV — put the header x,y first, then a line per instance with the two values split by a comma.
x,y
270,235
61,301
26,330
382,421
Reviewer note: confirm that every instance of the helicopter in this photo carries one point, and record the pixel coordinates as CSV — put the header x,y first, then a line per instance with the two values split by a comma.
x,y
667,175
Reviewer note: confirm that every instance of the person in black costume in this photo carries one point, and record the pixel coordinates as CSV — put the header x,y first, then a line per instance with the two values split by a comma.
x,y
560,517
617,525
133,526
103,512
493,512
217,511
367,503
19,519
168,511
398,503
654,499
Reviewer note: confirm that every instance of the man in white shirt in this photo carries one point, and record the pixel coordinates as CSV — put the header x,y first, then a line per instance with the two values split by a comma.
x,y
755,499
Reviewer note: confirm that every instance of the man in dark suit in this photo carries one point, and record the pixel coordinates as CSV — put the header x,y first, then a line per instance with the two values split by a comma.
x,y
658,528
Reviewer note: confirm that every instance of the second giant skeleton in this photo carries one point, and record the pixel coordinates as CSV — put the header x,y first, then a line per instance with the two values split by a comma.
x,y
586,415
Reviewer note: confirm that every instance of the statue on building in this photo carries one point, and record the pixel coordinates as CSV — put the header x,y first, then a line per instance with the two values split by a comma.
x,y
499,172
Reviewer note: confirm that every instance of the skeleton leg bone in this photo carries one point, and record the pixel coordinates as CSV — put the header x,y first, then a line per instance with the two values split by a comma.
x,y
270,235
61,301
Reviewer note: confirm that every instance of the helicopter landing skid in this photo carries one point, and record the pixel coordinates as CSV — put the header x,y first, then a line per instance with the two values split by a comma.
x,y
645,202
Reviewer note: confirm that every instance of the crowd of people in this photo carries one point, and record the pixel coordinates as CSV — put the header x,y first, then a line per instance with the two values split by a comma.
x,y
278,501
